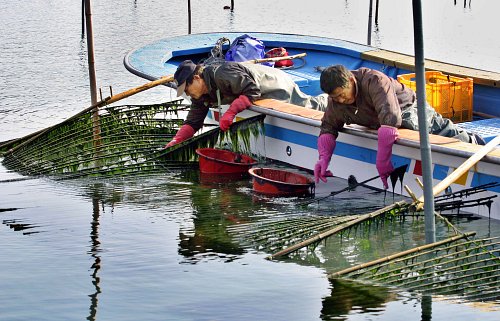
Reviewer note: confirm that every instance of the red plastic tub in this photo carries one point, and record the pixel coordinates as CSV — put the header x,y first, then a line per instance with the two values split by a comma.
x,y
278,182
219,161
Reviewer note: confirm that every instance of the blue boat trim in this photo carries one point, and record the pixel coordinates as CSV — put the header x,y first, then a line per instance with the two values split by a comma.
x,y
367,155
291,136
358,153
440,172
480,179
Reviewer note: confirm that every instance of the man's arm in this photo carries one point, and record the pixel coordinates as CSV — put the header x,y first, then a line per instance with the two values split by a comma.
x,y
194,121
381,91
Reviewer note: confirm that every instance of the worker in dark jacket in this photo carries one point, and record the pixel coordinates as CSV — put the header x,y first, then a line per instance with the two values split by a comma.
x,y
370,98
237,84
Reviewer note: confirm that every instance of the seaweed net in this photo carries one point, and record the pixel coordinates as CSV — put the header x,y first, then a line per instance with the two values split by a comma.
x,y
457,267
284,235
119,140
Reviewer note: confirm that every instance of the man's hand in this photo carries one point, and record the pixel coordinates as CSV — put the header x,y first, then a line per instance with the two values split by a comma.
x,y
386,137
326,146
321,170
238,105
185,132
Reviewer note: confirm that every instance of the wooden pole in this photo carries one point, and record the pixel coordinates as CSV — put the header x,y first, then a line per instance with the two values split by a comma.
x,y
336,229
96,127
83,18
376,13
189,17
274,59
369,40
397,255
90,53
109,100
462,169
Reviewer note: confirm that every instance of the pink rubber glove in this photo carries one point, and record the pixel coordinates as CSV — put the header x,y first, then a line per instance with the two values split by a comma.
x,y
238,105
185,132
386,137
326,146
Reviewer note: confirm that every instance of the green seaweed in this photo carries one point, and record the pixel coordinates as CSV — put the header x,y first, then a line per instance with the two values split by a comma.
x,y
125,140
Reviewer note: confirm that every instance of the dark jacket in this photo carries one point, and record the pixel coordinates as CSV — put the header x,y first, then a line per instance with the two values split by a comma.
x,y
379,100
233,79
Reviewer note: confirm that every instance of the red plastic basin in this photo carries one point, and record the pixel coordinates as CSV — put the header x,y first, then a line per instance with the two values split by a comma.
x,y
278,182
219,161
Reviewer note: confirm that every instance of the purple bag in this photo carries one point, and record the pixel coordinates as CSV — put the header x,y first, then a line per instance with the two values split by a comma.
x,y
246,48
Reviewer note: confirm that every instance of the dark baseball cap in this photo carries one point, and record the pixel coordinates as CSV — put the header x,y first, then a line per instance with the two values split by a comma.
x,y
182,74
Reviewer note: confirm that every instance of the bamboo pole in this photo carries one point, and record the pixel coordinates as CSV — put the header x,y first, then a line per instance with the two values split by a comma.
x,y
189,17
96,124
398,255
410,281
369,36
462,169
274,59
106,101
122,95
415,199
323,235
470,244
451,258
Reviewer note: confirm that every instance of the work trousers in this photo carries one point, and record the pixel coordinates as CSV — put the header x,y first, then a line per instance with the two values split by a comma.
x,y
436,123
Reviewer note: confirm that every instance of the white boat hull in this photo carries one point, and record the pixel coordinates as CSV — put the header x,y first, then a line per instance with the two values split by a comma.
x,y
294,142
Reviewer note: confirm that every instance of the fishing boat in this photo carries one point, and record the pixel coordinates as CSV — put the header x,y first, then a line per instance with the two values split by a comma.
x,y
291,131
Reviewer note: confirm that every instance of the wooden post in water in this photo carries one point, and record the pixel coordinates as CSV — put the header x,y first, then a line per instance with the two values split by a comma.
x,y
369,40
189,17
232,5
425,148
96,128
83,18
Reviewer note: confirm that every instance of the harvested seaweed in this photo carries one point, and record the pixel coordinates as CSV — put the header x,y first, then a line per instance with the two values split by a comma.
x,y
130,140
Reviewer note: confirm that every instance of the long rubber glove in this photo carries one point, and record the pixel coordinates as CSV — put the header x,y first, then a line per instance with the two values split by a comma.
x,y
185,132
326,146
386,137
238,105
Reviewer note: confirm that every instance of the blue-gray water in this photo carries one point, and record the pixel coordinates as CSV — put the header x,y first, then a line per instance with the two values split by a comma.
x,y
157,248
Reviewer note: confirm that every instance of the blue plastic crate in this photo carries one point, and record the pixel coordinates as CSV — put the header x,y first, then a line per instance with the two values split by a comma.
x,y
486,128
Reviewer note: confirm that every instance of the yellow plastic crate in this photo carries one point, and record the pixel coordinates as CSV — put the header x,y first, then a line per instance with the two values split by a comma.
x,y
450,96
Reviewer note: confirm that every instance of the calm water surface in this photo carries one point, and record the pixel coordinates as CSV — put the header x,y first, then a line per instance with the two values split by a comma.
x,y
157,248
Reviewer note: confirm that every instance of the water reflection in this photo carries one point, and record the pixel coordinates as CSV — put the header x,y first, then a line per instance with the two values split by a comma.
x,y
216,205
348,297
19,224
94,250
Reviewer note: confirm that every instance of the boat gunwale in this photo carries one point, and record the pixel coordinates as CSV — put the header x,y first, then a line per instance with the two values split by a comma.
x,y
370,134
333,45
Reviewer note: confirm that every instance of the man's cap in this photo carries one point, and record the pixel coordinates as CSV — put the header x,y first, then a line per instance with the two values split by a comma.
x,y
183,72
